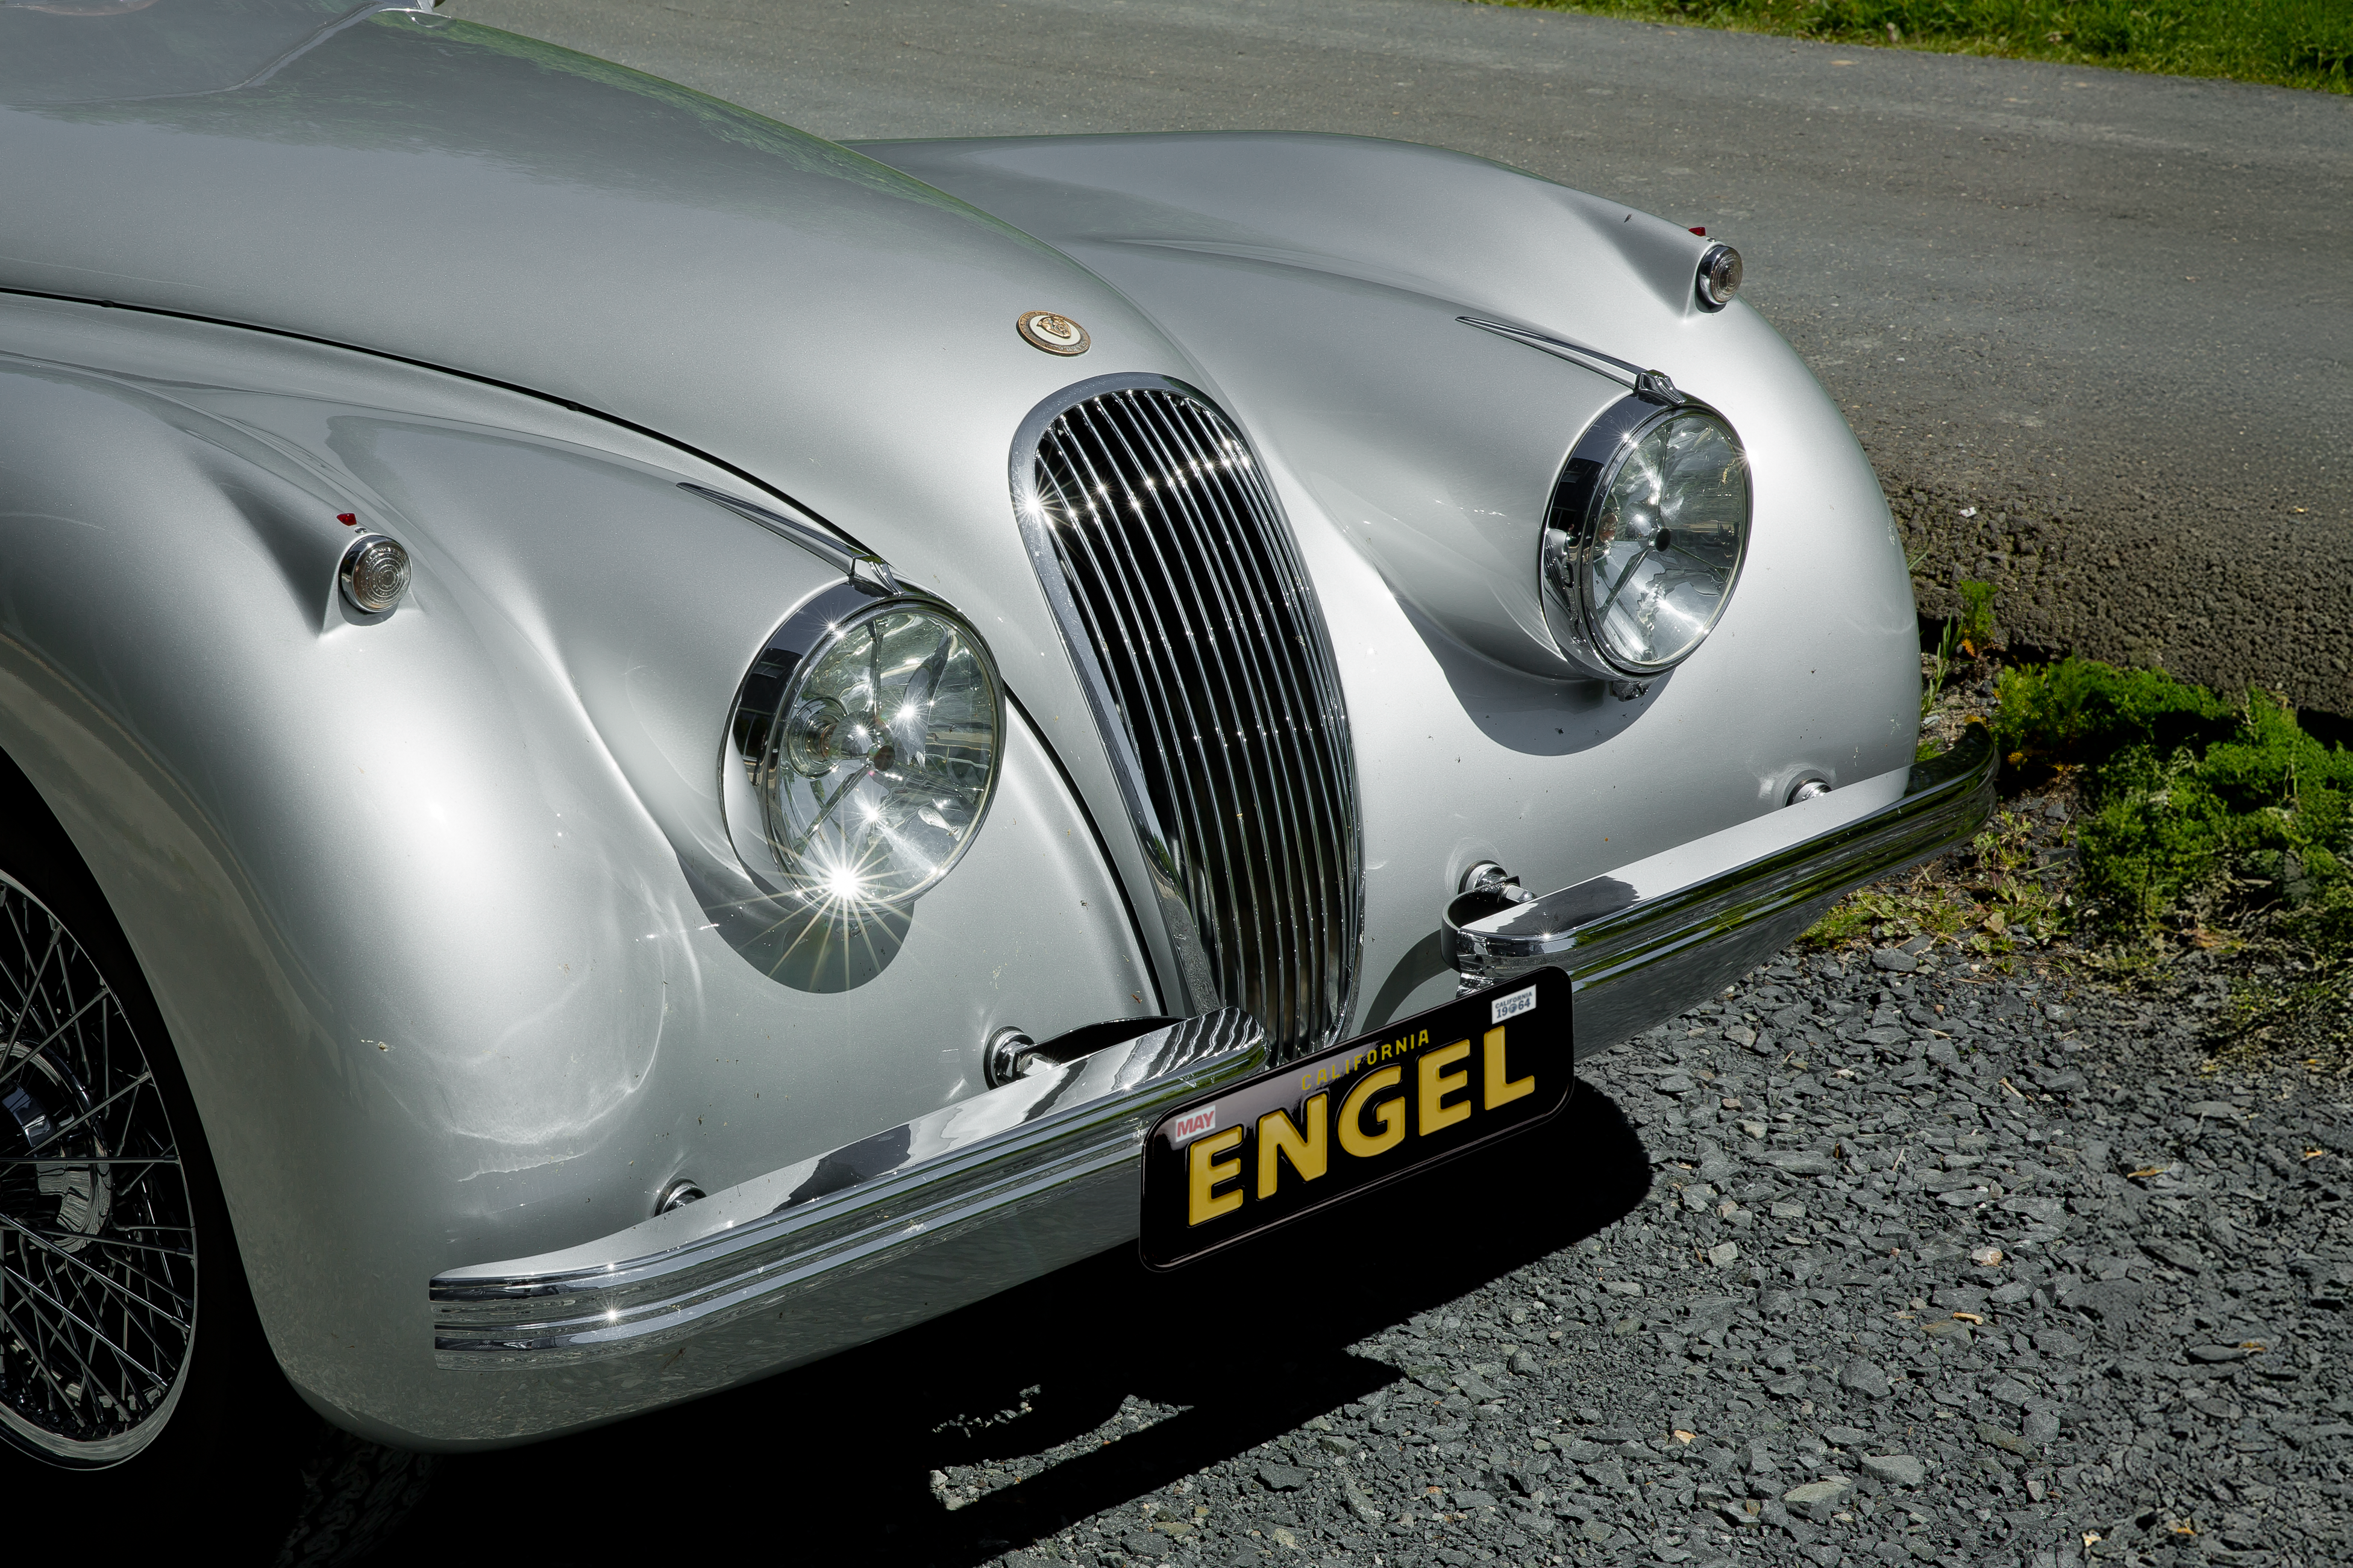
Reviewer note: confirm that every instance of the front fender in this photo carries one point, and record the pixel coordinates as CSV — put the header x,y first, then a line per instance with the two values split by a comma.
x,y
409,891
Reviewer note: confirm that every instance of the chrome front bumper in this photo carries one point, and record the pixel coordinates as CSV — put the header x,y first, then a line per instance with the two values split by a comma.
x,y
1066,1140
1011,1184
1648,941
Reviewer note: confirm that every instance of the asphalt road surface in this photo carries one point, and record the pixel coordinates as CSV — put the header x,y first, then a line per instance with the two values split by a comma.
x,y
2108,313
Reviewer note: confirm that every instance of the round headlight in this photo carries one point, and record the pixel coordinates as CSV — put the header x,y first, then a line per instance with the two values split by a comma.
x,y
872,755
1648,526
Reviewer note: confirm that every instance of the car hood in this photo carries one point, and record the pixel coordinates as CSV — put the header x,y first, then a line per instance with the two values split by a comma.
x,y
840,328
475,201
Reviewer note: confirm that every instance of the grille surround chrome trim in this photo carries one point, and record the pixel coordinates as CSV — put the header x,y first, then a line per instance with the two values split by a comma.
x,y
1280,702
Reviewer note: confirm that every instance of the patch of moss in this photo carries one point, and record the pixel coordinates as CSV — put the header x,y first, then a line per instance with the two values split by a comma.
x,y
2166,832
2198,811
2080,712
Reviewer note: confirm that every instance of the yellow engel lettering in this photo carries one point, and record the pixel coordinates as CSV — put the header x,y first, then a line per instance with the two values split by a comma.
x,y
1209,1172
1389,1113
1309,1155
1498,1091
1436,1085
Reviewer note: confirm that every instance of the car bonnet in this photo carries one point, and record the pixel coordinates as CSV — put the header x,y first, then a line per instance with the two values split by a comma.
x,y
482,203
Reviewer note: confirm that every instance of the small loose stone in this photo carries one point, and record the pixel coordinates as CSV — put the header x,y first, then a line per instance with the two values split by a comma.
x,y
1898,1469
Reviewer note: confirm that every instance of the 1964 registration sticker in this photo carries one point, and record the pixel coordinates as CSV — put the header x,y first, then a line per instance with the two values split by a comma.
x,y
1303,1136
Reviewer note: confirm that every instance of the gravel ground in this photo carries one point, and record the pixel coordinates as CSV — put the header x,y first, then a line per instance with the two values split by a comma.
x,y
1875,1260
1935,1267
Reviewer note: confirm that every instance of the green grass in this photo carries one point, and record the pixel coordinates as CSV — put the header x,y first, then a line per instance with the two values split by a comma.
x,y
2202,825
2198,812
1990,902
1976,623
2210,826
2285,43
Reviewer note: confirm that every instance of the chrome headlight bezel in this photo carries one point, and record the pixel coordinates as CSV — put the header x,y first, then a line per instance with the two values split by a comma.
x,y
752,749
1566,560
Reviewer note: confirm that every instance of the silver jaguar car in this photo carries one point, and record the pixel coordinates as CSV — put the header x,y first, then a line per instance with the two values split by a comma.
x,y
635,747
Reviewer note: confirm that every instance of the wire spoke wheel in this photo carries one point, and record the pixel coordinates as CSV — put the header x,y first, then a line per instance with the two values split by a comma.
x,y
114,1413
98,1235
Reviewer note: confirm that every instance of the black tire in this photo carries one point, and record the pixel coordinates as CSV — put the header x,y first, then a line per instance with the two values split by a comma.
x,y
106,1168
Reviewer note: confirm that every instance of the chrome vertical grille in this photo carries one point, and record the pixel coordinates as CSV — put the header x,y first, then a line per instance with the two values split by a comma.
x,y
1196,633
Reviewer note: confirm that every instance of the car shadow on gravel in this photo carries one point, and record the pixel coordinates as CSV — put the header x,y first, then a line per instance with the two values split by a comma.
x,y
1098,1385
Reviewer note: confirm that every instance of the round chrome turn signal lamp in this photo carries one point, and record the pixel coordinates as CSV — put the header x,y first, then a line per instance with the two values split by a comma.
x,y
1719,277
373,574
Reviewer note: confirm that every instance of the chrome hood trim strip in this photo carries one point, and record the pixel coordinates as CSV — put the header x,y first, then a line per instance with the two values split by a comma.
x,y
1624,371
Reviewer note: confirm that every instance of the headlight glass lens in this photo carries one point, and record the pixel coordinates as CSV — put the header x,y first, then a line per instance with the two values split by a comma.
x,y
879,757
1665,540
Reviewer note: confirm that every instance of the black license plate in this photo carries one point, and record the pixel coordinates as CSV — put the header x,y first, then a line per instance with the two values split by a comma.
x,y
1305,1136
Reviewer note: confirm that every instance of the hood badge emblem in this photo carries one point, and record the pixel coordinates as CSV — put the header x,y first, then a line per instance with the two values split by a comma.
x,y
1055,334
